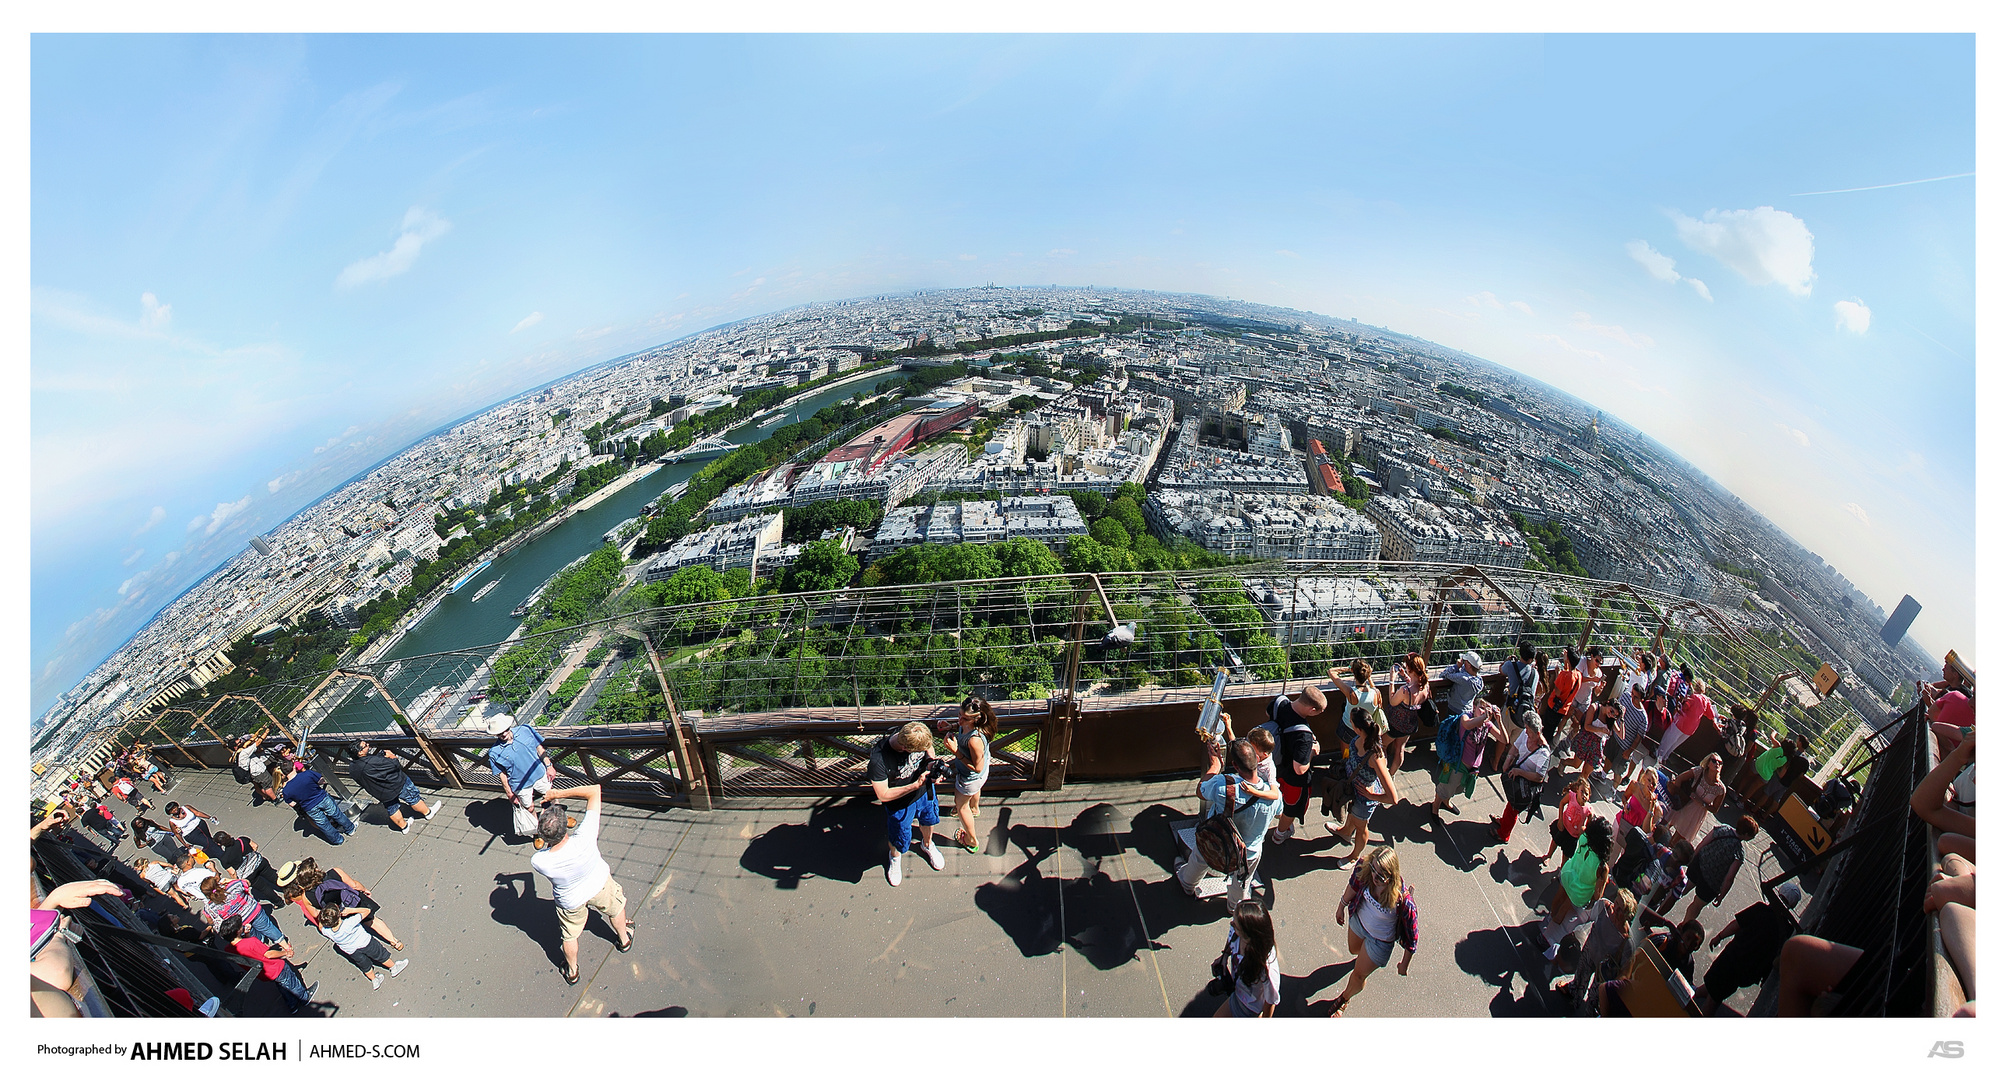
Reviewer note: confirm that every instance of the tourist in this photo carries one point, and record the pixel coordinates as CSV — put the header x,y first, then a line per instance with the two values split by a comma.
x,y
1696,708
1605,954
1641,810
161,877
1582,878
241,857
307,793
1631,724
149,771
343,927
1250,963
1361,698
1570,821
382,775
1590,688
190,873
520,761
579,877
1404,704
1240,794
1558,704
969,747
124,788
1296,748
1696,793
1377,911
1758,932
1947,799
1521,679
1460,742
275,961
100,820
223,900
311,888
1524,782
1950,712
259,768
901,775
1372,788
1716,859
190,824
1591,731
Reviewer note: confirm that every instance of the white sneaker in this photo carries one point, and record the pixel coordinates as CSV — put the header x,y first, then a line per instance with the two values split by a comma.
x,y
1277,836
1330,827
397,968
894,868
376,980
933,857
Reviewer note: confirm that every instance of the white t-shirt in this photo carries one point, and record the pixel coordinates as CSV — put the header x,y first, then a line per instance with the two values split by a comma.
x,y
190,881
575,868
349,935
1264,992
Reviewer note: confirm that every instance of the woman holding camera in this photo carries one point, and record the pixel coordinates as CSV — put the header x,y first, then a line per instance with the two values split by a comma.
x,y
970,748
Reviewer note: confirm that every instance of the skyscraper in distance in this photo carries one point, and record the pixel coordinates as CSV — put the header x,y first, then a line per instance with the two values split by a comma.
x,y
1898,623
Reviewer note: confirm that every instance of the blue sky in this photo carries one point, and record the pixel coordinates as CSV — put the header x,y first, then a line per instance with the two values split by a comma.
x,y
259,264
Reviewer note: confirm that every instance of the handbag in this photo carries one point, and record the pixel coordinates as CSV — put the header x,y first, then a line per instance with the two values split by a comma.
x,y
1681,791
1219,843
1222,971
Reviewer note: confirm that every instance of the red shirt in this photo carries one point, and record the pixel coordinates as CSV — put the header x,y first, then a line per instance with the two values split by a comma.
x,y
1955,709
254,949
1695,707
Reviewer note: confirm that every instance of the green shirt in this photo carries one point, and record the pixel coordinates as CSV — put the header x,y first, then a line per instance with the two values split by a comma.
x,y
1768,762
1577,875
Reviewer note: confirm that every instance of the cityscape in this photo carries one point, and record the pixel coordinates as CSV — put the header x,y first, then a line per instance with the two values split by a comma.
x,y
923,527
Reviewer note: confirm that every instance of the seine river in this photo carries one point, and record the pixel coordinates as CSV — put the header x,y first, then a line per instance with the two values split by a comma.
x,y
458,622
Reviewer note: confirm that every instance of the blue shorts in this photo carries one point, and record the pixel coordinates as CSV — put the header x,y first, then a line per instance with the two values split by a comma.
x,y
924,810
1362,808
410,796
1377,951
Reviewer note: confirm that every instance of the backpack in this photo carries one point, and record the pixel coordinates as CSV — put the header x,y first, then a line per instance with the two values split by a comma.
x,y
1219,844
1522,793
1528,685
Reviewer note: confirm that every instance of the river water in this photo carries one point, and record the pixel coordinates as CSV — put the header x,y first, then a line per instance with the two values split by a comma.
x,y
459,622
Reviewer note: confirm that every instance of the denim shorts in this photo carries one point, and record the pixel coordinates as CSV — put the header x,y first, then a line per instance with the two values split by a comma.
x,y
923,810
409,796
1362,808
1377,951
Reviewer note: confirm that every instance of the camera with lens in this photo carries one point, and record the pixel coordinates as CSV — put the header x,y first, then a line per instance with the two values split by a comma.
x,y
937,768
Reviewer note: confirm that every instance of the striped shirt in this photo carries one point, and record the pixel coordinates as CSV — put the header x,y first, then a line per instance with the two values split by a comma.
x,y
237,902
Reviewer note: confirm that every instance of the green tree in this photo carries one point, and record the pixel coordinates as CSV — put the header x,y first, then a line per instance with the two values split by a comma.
x,y
1127,511
692,585
968,562
1086,555
1110,532
823,565
1092,504
1024,557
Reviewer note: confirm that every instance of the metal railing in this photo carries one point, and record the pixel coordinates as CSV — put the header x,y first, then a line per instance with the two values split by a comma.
x,y
778,692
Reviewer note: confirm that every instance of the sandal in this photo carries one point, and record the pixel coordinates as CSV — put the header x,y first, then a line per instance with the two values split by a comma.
x,y
967,843
628,947
1337,1010
571,977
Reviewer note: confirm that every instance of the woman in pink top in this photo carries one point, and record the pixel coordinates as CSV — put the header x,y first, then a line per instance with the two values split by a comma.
x,y
1573,818
1697,707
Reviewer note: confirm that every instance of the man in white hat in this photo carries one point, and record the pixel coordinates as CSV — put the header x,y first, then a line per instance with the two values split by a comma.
x,y
523,766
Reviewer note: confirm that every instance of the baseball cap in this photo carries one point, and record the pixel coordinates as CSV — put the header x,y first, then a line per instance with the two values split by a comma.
x,y
501,724
1789,893
1471,658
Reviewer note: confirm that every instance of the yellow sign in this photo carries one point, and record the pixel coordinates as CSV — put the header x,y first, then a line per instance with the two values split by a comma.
x,y
40,768
1805,824
1826,680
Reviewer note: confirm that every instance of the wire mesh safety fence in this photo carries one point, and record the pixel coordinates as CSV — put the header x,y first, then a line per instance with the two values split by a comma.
x,y
772,686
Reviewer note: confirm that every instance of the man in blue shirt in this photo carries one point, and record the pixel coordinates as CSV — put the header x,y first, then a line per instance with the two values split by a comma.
x,y
523,766
1253,807
305,793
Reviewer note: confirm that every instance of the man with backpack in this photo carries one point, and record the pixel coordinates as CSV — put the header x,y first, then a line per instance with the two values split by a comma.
x,y
1521,681
1296,747
1235,806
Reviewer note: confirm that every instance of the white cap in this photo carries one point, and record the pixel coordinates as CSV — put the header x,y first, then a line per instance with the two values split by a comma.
x,y
1789,893
1471,658
501,724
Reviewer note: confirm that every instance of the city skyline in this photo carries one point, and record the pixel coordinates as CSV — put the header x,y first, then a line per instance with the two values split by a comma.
x,y
271,259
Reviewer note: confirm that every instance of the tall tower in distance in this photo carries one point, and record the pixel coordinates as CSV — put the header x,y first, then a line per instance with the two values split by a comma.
x,y
261,545
1898,623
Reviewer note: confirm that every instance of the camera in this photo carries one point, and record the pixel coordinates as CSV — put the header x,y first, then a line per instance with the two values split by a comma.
x,y
936,768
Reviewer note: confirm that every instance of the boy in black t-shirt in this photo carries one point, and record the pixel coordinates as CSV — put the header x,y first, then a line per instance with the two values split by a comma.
x,y
1759,932
901,775
1295,747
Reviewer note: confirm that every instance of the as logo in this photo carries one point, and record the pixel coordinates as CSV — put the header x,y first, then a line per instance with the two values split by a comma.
x,y
1949,1048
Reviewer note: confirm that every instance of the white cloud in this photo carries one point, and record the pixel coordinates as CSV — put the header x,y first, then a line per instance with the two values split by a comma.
x,y
1571,347
1661,266
222,513
1488,299
1853,315
275,483
1855,510
134,557
1656,263
1060,253
1522,306
154,315
965,258
1802,439
1765,245
1582,321
159,515
528,321
421,227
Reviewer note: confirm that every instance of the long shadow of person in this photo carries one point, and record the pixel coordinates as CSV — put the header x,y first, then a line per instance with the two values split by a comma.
x,y
1499,955
494,816
1298,989
841,840
535,917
